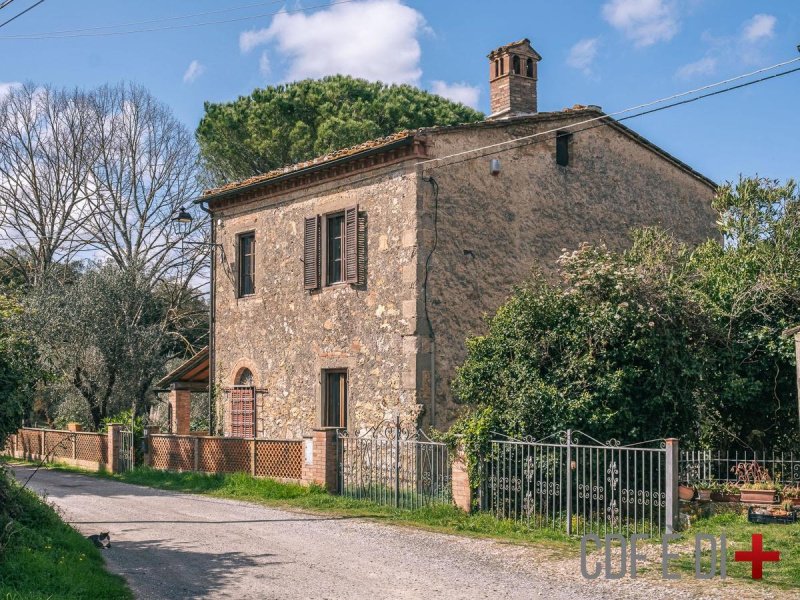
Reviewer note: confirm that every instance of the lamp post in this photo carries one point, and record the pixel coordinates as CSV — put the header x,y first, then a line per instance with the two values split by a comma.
x,y
182,224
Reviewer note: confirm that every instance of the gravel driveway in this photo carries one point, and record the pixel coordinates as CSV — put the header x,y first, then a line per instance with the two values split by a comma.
x,y
172,545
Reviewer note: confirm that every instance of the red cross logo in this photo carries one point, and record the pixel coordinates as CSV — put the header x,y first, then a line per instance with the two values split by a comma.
x,y
757,556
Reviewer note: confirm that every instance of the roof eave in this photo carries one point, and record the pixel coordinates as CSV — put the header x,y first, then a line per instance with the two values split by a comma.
x,y
406,141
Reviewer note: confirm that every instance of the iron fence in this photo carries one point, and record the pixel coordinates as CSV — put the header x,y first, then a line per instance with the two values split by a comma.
x,y
394,465
720,466
582,488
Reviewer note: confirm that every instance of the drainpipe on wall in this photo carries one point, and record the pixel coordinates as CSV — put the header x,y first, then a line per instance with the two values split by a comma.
x,y
435,187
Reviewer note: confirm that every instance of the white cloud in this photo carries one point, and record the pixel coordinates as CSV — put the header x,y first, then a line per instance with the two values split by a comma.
x,y
704,66
644,21
264,66
582,54
253,38
194,71
373,39
457,92
759,27
6,87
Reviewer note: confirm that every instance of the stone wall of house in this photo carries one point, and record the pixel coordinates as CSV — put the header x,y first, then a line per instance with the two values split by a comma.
x,y
494,230
286,335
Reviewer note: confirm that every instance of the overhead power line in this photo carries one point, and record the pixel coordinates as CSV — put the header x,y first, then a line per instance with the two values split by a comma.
x,y
607,119
147,22
5,3
18,15
77,33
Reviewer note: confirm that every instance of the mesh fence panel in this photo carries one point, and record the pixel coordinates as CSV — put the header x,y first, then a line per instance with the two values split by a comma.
x,y
279,458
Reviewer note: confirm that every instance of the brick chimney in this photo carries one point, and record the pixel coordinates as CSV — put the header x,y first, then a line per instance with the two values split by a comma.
x,y
512,80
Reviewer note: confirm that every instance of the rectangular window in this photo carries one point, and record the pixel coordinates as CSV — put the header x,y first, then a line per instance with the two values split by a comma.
x,y
562,148
334,249
334,401
247,264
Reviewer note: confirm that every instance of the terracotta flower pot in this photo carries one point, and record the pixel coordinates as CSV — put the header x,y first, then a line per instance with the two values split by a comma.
x,y
795,501
685,492
704,495
725,496
759,496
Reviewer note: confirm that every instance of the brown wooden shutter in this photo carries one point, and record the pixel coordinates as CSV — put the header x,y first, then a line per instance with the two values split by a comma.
x,y
243,412
362,249
311,253
351,244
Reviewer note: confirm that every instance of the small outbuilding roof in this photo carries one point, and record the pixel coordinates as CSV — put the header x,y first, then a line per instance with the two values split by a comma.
x,y
192,373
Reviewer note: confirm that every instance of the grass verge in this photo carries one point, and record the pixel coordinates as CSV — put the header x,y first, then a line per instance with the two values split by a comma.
x,y
42,557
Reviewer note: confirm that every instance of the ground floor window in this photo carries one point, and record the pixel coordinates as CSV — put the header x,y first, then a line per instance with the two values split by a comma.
x,y
243,411
334,398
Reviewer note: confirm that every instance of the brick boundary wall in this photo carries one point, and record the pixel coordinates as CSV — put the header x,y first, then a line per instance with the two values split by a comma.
x,y
82,449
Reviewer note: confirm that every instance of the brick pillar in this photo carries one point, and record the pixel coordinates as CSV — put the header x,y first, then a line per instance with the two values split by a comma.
x,y
462,492
324,467
114,439
72,426
179,401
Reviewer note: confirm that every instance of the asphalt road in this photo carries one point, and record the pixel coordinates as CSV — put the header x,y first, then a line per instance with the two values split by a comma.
x,y
171,545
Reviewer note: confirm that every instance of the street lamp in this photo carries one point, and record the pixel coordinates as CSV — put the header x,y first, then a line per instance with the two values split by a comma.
x,y
182,221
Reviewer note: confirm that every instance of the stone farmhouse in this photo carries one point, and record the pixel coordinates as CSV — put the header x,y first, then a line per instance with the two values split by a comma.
x,y
345,286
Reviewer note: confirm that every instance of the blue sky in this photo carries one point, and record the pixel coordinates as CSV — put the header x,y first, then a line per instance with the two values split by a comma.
x,y
615,53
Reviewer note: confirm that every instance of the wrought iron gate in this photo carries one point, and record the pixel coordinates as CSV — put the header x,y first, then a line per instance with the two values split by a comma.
x,y
581,488
395,465
127,452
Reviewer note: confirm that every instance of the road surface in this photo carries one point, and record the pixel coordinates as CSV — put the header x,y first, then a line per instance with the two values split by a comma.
x,y
172,545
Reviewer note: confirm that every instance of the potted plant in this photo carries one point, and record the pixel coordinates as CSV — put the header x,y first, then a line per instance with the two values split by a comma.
x,y
756,483
688,479
727,492
704,490
791,495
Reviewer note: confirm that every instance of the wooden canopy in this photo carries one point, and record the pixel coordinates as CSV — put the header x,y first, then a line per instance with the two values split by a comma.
x,y
191,375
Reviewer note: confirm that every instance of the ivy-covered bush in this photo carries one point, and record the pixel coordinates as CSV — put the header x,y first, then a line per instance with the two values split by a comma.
x,y
657,341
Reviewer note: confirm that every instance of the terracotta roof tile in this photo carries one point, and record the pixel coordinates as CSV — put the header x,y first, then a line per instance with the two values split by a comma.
x,y
344,152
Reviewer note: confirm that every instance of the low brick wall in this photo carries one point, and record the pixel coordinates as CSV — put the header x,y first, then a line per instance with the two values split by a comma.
x,y
278,459
76,448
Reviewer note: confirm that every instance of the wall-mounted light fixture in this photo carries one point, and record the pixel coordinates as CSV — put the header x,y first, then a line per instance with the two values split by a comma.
x,y
494,166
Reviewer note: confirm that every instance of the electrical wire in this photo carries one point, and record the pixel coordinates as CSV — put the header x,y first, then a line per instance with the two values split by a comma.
x,y
169,27
5,3
608,119
160,20
18,15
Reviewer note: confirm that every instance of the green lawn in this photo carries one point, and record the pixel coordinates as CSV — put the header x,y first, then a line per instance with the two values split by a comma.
x,y
42,557
738,532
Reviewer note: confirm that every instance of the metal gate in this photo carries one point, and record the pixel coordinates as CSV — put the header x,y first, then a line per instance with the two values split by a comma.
x,y
127,452
394,465
582,487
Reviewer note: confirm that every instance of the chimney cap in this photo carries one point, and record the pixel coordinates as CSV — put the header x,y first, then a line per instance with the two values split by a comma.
x,y
524,43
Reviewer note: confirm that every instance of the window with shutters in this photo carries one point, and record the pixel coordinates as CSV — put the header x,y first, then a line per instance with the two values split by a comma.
x,y
247,264
334,398
243,405
334,250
